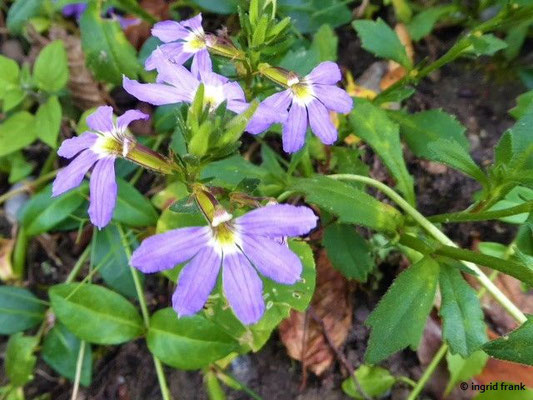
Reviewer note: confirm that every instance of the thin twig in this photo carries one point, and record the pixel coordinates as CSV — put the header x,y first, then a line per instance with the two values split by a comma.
x,y
79,364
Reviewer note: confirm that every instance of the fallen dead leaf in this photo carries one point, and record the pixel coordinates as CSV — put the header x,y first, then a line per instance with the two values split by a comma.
x,y
395,70
330,313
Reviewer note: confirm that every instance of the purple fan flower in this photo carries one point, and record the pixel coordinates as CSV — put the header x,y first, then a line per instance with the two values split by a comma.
x,y
74,10
99,148
183,40
176,85
308,100
241,247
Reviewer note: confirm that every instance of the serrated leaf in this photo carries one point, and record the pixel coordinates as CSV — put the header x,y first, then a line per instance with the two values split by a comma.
x,y
109,54
514,347
19,310
399,319
48,121
17,132
463,320
373,125
188,342
351,205
60,351
95,314
522,145
422,24
374,381
19,359
378,38
217,6
50,70
133,209
348,251
463,369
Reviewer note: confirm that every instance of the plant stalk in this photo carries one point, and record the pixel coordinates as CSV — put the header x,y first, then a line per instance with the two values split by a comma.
x,y
79,364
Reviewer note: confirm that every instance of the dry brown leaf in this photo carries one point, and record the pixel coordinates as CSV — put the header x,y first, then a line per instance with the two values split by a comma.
x,y
395,70
330,311
6,268
138,33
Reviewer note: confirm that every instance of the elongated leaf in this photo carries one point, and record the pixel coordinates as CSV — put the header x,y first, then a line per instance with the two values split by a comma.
x,y
381,40
351,205
422,24
375,381
229,172
50,71
522,145
19,310
309,15
48,121
133,209
514,347
325,44
17,132
348,251
60,351
400,317
20,360
463,369
20,12
373,125
188,342
108,52
463,327
95,314
43,212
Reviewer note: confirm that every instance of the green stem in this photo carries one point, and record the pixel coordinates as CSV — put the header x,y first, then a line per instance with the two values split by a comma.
x,y
79,364
428,372
19,253
482,216
495,292
146,316
28,186
243,387
79,264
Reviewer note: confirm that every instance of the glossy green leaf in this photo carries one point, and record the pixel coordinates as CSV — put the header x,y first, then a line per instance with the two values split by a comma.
x,y
20,12
422,24
218,6
43,212
524,104
109,54
48,121
463,320
351,205
60,351
229,172
348,251
188,342
50,70
399,319
514,347
133,209
373,125
95,314
17,132
325,43
19,310
309,15
378,38
463,369
374,381
112,261
20,361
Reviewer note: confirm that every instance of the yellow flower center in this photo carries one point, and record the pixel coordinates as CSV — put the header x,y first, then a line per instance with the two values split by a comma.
x,y
194,43
107,145
302,92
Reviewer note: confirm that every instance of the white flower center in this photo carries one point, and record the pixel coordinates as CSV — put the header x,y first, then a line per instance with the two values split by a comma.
x,y
194,43
302,92
213,96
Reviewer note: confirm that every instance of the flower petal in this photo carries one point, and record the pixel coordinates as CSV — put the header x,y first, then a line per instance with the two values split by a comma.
x,y
166,250
327,73
169,31
72,175
128,117
278,220
196,281
102,119
334,98
170,51
270,111
294,128
273,260
320,122
70,147
103,192
154,93
201,61
242,288
194,23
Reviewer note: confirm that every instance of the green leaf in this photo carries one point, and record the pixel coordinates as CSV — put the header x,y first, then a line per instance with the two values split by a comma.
x,y
373,125
48,121
229,172
60,351
17,132
325,43
19,310
524,104
521,143
399,319
112,261
19,168
379,39
506,391
351,205
20,12
348,251
50,70
187,342
486,44
514,347
217,6
9,78
20,360
374,381
109,54
133,7
463,369
133,209
463,320
422,24
95,314
43,212
309,15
